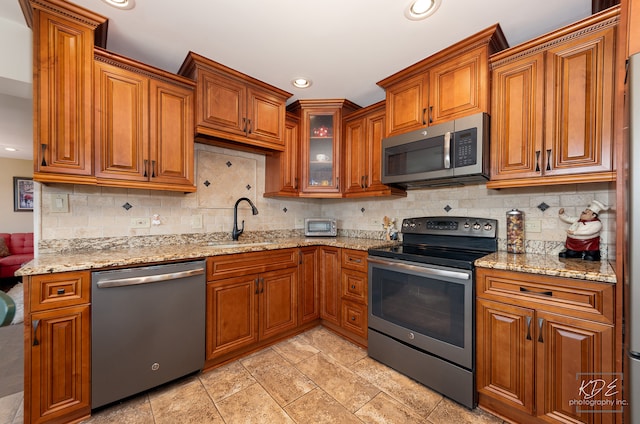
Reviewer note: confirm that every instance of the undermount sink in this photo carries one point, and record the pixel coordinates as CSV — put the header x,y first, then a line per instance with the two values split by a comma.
x,y
228,244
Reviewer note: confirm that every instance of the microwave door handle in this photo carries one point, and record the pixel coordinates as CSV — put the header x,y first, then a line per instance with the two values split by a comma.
x,y
447,150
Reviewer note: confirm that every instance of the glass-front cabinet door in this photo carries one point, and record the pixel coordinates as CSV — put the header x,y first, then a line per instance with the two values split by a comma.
x,y
322,153
321,126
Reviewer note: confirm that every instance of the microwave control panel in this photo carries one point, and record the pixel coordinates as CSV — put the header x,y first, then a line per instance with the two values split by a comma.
x,y
466,148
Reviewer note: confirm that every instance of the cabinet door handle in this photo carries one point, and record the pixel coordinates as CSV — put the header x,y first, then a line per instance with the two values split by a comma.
x,y
257,282
146,163
35,331
295,184
248,126
544,293
353,286
244,125
261,285
366,181
362,182
424,115
549,160
540,322
537,160
43,147
153,169
353,318
337,183
430,114
528,319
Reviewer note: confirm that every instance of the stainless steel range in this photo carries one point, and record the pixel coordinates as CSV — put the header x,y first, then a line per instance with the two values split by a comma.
x,y
421,302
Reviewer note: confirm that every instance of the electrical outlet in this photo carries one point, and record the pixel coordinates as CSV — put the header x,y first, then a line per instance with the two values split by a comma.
x,y
139,223
532,226
196,221
60,202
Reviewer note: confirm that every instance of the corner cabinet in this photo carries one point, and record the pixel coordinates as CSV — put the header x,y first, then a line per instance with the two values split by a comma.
x,y
234,109
57,347
320,145
363,133
63,41
552,107
143,125
447,85
538,339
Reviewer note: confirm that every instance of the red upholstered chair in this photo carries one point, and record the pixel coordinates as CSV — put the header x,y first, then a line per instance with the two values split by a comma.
x,y
21,248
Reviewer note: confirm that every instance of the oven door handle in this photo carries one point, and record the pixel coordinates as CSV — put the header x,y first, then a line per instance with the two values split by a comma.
x,y
421,269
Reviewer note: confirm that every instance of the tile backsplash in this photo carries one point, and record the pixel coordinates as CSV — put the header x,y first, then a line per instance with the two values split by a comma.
x,y
98,212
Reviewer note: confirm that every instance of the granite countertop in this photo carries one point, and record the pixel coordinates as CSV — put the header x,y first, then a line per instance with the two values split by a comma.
x,y
105,258
549,265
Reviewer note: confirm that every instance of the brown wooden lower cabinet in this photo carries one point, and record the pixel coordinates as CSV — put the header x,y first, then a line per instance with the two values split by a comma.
x,y
57,341
248,309
534,354
329,276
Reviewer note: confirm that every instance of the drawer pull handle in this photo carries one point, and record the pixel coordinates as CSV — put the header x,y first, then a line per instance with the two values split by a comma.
x,y
35,330
60,291
353,286
528,327
353,318
540,322
355,260
543,293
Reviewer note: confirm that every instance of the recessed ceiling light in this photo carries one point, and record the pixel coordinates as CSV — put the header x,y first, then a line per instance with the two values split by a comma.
x,y
421,9
10,149
121,4
301,83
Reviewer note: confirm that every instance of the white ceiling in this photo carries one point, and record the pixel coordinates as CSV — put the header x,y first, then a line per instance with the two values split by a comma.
x,y
343,46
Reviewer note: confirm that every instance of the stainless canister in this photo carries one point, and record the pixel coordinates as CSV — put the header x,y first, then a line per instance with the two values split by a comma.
x,y
515,231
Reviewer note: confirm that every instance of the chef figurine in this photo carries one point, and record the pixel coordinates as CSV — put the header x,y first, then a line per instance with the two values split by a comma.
x,y
583,236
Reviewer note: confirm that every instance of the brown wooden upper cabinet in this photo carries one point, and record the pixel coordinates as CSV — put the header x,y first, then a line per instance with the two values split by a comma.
x,y
143,125
552,106
447,85
363,132
234,109
282,176
63,41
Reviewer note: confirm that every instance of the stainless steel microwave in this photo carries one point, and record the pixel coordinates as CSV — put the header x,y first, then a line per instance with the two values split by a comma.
x,y
320,227
455,152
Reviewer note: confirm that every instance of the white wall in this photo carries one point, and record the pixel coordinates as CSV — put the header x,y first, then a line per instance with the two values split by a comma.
x,y
10,221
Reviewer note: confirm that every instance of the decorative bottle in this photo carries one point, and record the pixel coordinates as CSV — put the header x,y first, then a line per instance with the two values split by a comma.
x,y
515,231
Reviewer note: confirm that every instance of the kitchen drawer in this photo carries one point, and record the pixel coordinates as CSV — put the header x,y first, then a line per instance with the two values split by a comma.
x,y
354,259
49,291
354,318
578,298
354,286
236,265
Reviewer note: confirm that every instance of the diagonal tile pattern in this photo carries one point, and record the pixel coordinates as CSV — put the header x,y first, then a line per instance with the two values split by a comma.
x,y
315,377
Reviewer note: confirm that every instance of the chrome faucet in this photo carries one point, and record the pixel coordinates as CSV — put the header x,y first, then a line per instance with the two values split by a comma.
x,y
236,232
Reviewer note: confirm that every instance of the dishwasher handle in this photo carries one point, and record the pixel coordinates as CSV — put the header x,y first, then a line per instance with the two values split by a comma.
x,y
123,282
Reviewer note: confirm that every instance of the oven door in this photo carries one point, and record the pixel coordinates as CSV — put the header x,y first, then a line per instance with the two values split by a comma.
x,y
426,306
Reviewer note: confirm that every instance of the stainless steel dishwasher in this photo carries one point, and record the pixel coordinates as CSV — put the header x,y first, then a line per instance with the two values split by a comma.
x,y
147,328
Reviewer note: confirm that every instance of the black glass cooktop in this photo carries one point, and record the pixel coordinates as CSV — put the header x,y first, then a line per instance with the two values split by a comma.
x,y
449,257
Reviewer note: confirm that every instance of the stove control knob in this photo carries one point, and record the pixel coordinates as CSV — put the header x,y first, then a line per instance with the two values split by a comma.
x,y
476,226
467,225
488,227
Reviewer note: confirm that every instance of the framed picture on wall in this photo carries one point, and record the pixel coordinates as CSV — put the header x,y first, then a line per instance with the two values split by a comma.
x,y
22,194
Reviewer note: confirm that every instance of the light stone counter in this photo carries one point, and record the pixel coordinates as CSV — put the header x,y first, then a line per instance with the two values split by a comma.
x,y
133,256
549,265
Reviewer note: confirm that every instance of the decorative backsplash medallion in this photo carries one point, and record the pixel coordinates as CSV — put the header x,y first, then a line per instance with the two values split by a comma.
x,y
222,179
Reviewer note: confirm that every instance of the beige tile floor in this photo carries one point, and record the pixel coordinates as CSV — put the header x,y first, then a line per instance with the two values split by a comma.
x,y
315,377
